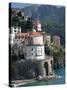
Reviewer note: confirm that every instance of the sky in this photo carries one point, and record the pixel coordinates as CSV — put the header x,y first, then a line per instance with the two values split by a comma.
x,y
19,5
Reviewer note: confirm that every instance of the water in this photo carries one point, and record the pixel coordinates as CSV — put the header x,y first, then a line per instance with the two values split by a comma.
x,y
59,72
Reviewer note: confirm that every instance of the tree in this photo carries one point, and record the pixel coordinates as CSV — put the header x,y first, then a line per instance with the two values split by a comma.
x,y
29,24
57,53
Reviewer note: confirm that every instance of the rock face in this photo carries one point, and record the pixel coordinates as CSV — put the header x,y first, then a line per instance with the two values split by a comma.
x,y
32,69
41,68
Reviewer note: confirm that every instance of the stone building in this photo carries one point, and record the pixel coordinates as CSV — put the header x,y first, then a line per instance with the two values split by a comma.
x,y
56,40
35,52
47,39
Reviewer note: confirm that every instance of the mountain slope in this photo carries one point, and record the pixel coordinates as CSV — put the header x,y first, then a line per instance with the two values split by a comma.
x,y
52,18
46,12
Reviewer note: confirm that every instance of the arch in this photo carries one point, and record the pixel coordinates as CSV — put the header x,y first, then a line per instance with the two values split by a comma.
x,y
46,67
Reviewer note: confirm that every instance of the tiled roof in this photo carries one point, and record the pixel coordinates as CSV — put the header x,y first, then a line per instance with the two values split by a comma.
x,y
28,34
36,33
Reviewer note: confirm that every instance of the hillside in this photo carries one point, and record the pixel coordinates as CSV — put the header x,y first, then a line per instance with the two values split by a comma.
x,y
51,17
46,12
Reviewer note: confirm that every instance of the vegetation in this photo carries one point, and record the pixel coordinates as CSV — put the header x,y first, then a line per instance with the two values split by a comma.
x,y
58,54
54,28
17,19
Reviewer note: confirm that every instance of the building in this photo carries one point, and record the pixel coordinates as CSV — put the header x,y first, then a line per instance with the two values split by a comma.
x,y
26,18
36,38
22,13
19,42
37,25
35,52
11,39
47,39
13,32
31,44
56,40
35,47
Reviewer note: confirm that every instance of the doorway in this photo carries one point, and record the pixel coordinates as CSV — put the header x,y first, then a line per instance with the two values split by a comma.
x,y
46,67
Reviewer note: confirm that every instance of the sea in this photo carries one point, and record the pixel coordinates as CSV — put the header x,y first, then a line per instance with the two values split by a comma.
x,y
59,72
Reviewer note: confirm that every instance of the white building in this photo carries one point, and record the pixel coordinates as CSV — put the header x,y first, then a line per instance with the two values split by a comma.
x,y
36,38
35,48
14,31
37,25
34,52
26,18
11,38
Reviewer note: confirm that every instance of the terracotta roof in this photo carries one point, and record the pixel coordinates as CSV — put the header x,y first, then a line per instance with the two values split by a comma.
x,y
22,34
36,33
28,34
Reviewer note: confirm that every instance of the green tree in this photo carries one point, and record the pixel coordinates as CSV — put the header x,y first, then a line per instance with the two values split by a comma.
x,y
57,53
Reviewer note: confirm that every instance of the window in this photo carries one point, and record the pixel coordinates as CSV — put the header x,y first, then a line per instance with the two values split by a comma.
x,y
14,27
33,51
39,51
14,30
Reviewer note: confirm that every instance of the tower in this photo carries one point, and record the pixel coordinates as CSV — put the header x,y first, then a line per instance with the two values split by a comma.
x,y
35,52
37,25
